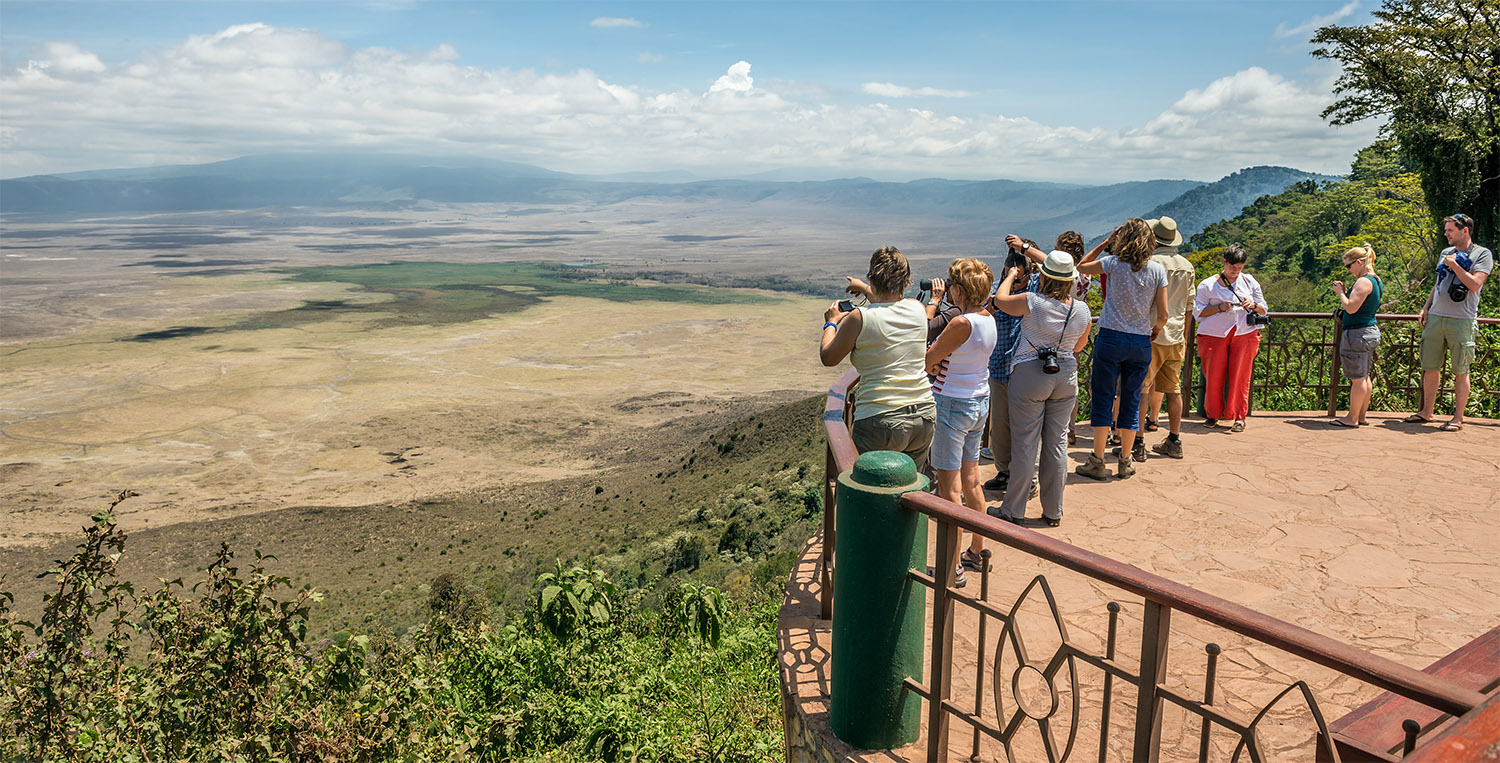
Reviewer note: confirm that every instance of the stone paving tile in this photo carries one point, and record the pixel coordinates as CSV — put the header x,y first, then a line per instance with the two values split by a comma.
x,y
1382,537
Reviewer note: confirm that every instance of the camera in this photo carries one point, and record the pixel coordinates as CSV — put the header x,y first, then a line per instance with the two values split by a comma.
x,y
1256,319
1014,259
1048,356
1457,291
925,284
846,306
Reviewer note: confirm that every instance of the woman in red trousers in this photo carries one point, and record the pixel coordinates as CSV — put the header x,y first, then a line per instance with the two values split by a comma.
x,y
1227,340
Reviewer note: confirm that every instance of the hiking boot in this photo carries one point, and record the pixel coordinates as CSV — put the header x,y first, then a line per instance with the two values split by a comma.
x,y
1138,450
998,482
1093,468
1170,447
1125,469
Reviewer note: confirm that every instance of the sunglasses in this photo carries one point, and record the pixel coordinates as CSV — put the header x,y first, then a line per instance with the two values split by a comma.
x,y
1464,221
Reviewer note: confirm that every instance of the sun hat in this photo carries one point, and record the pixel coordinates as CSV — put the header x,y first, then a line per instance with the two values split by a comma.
x,y
1166,231
1059,266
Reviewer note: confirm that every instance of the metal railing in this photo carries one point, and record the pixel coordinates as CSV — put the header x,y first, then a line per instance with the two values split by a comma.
x,y
1298,367
1148,675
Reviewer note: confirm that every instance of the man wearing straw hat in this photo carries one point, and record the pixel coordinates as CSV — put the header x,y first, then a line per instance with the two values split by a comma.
x,y
1164,377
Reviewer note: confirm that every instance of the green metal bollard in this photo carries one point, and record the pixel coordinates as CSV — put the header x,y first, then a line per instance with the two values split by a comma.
x,y
878,613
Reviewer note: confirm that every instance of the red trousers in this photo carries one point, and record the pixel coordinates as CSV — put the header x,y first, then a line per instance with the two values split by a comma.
x,y
1227,363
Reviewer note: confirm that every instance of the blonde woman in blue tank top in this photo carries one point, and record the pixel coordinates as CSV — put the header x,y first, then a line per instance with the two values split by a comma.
x,y
959,361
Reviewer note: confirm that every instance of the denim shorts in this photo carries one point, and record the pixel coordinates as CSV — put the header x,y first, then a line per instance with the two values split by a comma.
x,y
960,425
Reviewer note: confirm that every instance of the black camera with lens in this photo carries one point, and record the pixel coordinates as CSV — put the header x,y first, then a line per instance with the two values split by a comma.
x,y
1048,356
1014,259
1256,319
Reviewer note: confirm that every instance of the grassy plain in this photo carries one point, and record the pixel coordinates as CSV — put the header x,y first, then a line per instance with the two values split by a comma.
x,y
377,424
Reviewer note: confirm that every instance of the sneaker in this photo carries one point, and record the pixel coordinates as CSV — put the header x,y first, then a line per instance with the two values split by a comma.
x,y
1210,423
1170,447
998,482
1138,450
971,561
1125,469
1035,488
1094,468
985,454
959,580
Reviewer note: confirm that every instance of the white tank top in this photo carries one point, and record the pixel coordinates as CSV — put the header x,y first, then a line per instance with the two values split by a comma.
x,y
966,372
889,354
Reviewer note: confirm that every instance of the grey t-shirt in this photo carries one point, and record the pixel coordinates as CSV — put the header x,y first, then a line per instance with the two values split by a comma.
x,y
1129,294
1442,304
1049,323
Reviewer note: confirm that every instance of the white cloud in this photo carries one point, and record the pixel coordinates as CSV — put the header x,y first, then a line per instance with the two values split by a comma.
x,y
737,79
611,22
647,57
891,90
1312,24
254,88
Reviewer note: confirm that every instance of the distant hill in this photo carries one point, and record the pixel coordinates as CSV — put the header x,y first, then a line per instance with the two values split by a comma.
x,y
355,180
1222,199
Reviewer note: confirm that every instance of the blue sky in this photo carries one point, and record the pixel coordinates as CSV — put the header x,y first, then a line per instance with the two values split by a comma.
x,y
1073,91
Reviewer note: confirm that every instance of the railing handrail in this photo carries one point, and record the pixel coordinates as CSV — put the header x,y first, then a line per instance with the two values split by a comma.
x,y
1344,658
1378,316
1323,650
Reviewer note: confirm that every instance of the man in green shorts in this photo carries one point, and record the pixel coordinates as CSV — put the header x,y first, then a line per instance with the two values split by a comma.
x,y
1450,319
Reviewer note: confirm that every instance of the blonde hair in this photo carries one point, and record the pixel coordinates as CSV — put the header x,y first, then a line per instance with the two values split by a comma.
x,y
1135,243
970,278
1056,288
1365,254
889,271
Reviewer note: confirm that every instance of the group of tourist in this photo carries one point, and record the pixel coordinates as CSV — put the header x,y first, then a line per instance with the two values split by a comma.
x,y
1003,355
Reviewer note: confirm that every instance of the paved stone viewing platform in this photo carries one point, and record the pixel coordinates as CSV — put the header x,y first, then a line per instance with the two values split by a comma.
x,y
1384,537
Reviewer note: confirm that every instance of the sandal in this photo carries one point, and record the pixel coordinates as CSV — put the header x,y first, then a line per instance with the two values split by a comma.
x,y
971,561
1151,426
1343,424
1416,418
1451,426
1239,426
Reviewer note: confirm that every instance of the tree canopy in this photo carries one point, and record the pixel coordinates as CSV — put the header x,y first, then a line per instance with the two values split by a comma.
x,y
1433,68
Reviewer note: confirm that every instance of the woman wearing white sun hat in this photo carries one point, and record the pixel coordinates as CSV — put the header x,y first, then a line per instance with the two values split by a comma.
x,y
1043,383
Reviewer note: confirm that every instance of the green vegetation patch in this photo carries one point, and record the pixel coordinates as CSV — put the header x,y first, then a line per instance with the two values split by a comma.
x,y
441,293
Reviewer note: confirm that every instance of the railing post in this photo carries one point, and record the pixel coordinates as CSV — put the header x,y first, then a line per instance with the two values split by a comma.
x,y
940,679
1154,630
1337,367
877,626
830,511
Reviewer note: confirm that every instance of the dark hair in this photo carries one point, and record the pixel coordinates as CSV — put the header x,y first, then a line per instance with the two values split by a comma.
x,y
1072,243
1234,254
1461,220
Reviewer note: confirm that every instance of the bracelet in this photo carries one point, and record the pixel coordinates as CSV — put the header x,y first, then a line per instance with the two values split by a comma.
x,y
830,323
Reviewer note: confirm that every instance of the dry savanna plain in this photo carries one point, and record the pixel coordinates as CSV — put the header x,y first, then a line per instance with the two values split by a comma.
x,y
320,383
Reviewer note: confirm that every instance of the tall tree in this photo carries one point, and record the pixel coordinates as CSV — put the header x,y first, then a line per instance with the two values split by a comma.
x,y
1433,68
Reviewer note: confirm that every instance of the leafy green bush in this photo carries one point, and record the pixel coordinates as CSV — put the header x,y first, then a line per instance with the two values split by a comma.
x,y
224,671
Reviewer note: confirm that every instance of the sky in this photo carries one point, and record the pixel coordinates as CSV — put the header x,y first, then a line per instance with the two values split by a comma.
x,y
1071,91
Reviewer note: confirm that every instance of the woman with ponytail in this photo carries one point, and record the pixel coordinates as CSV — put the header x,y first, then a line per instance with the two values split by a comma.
x,y
1358,303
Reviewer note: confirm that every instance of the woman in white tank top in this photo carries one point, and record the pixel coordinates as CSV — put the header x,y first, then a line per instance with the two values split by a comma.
x,y
960,362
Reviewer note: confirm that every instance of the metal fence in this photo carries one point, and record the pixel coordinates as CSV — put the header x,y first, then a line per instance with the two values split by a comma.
x,y
1143,676
1299,357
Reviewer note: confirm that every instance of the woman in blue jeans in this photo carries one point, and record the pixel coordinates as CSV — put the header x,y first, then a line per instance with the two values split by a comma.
x,y
1122,351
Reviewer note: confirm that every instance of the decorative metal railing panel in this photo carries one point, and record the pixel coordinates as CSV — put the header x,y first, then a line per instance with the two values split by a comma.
x,y
1297,362
1027,686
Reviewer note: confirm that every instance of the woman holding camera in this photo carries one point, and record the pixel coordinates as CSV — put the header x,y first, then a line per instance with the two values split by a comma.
x,y
959,361
1043,383
885,341
1361,336
1230,309
1122,353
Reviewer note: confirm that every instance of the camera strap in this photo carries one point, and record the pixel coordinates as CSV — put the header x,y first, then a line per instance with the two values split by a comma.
x,y
1064,335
